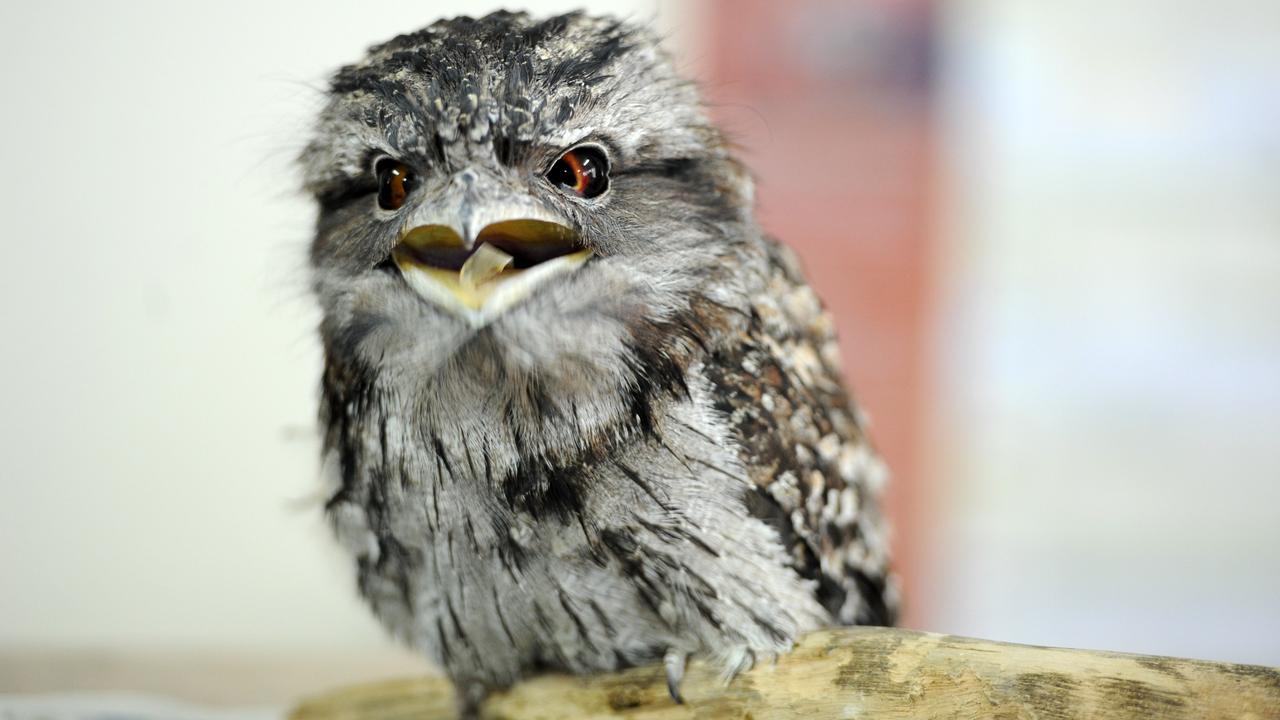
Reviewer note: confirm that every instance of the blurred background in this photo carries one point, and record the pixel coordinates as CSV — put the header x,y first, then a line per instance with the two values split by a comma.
x,y
1050,233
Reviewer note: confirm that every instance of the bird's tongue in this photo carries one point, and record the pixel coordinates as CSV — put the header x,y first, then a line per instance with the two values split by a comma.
x,y
484,264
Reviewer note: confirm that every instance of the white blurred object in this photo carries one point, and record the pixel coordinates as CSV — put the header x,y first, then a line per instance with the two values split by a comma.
x,y
1111,354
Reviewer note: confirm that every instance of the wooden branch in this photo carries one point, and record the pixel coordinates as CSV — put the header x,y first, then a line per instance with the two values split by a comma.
x,y
862,673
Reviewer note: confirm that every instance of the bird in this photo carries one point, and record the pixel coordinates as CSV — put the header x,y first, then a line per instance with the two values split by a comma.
x,y
580,411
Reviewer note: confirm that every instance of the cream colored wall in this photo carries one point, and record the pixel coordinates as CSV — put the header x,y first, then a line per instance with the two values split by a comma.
x,y
158,468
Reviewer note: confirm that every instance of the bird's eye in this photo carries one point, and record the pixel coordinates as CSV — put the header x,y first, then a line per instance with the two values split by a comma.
x,y
583,171
395,181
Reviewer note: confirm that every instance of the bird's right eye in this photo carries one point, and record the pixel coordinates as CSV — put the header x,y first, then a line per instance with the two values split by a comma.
x,y
395,181
582,171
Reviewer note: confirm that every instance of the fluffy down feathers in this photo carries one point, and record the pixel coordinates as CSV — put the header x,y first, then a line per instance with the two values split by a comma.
x,y
652,456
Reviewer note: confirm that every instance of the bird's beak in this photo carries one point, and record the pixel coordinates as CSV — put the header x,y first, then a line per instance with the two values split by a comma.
x,y
478,278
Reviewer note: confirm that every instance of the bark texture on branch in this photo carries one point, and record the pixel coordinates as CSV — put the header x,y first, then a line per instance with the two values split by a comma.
x,y
862,673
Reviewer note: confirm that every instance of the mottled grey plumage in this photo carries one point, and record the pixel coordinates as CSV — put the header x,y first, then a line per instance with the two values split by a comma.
x,y
650,456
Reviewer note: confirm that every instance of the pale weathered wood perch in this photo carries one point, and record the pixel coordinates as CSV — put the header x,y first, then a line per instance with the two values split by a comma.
x,y
862,673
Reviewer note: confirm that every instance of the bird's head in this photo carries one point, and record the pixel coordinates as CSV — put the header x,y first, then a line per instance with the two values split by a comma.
x,y
507,199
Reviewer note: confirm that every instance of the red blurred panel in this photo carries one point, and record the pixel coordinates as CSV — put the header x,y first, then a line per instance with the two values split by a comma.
x,y
831,102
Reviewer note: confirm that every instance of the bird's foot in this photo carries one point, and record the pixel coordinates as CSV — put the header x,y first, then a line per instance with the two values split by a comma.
x,y
739,662
675,661
470,695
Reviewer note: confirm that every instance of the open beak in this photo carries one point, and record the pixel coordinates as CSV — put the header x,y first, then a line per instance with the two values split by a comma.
x,y
479,278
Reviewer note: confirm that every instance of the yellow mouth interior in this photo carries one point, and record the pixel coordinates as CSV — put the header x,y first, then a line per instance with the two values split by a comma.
x,y
508,260
487,281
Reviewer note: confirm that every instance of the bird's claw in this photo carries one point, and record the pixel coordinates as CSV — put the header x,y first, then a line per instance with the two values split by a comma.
x,y
674,661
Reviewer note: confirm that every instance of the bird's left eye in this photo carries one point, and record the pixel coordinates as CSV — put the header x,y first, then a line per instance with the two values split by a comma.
x,y
582,171
395,181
